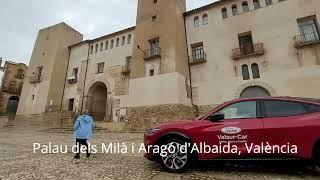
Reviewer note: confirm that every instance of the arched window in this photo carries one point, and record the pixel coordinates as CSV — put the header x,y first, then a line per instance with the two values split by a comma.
x,y
123,41
224,12
111,45
196,21
234,10
205,19
129,38
101,46
255,71
256,4
245,6
245,72
117,42
107,44
268,2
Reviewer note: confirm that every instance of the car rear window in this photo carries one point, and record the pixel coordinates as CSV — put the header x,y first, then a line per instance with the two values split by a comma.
x,y
313,108
283,108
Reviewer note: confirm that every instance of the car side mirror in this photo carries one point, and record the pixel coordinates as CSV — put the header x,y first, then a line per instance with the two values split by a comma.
x,y
216,117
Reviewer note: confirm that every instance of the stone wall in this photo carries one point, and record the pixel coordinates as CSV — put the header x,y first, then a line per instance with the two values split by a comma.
x,y
3,121
122,86
143,118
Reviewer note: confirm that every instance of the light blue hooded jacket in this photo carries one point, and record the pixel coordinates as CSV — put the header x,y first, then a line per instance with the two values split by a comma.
x,y
83,127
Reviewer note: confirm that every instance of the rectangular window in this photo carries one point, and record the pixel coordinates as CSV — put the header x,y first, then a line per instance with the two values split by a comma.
x,y
309,29
154,46
100,68
283,108
197,52
71,104
128,62
246,43
129,39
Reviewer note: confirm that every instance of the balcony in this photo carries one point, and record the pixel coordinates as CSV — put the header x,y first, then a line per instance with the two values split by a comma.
x,y
306,39
72,80
247,51
152,53
198,58
125,70
35,79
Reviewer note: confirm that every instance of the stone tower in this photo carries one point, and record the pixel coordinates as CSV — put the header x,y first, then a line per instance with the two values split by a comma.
x,y
44,83
160,40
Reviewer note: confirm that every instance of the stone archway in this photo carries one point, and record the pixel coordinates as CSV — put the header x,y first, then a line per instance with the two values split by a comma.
x,y
254,91
255,87
12,105
96,100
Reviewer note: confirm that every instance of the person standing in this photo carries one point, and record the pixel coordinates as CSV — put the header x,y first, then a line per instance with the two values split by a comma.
x,y
83,132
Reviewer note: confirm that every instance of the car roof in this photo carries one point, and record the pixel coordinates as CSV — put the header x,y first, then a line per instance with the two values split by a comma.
x,y
300,99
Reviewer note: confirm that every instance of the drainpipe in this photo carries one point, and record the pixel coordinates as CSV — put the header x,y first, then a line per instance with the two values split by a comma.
x,y
189,67
85,77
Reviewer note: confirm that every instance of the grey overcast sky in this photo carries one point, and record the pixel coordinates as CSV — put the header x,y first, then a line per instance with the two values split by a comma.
x,y
22,19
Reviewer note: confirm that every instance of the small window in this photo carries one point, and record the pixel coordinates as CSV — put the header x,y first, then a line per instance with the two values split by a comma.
x,y
91,49
111,45
107,44
117,42
96,50
256,4
101,46
245,72
269,2
245,6
151,73
123,41
309,29
224,12
100,68
283,108
71,104
197,52
129,39
196,21
155,1
246,43
234,10
241,110
205,19
32,96
255,71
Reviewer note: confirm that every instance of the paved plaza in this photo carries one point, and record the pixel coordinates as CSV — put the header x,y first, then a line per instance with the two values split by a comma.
x,y
17,160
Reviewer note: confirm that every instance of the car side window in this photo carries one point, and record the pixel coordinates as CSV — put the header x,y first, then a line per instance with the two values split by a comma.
x,y
283,108
241,110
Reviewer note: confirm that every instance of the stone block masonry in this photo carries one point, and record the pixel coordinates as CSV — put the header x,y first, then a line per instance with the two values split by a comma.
x,y
145,117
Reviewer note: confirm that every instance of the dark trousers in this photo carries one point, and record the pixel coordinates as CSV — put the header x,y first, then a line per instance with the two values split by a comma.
x,y
80,143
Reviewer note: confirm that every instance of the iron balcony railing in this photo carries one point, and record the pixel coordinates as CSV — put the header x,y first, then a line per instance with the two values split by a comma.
x,y
248,50
306,39
154,52
197,58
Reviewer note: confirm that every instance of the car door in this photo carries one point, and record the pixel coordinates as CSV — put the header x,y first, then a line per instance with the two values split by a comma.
x,y
241,126
287,124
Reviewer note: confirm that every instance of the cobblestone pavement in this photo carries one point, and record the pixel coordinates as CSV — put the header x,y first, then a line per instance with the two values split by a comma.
x,y
17,161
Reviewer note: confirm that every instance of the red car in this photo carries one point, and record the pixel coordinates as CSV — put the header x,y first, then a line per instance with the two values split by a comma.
x,y
252,128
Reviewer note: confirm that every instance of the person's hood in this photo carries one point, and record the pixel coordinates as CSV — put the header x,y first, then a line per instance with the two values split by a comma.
x,y
86,118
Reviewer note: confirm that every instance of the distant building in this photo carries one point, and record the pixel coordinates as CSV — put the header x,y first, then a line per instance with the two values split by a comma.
x,y
175,63
11,86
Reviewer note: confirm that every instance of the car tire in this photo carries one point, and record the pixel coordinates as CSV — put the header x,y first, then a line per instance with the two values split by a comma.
x,y
178,161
